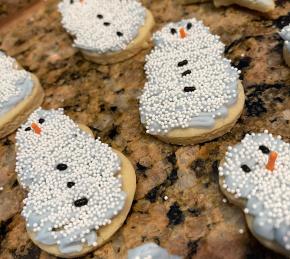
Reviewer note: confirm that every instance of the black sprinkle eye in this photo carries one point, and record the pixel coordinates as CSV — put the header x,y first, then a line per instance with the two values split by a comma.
x,y
187,72
106,23
246,169
189,89
27,129
173,31
81,202
264,149
100,16
71,1
120,34
182,63
61,167
188,26
70,184
41,120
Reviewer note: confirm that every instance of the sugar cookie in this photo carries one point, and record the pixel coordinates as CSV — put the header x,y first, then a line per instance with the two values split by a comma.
x,y
263,6
258,5
255,176
79,189
107,31
192,93
150,251
20,94
285,34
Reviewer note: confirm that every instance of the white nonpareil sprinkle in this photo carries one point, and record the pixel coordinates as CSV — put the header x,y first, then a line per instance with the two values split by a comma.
x,y
189,82
102,25
9,78
285,33
73,182
267,191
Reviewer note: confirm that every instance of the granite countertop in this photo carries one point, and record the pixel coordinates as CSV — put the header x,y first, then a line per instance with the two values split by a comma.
x,y
195,221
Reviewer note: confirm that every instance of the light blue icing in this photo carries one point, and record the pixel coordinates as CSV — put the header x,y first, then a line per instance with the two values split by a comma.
x,y
150,250
263,227
266,223
285,34
25,86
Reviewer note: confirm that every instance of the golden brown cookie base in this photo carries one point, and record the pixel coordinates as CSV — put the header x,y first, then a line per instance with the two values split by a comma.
x,y
139,43
185,2
105,233
198,135
241,203
286,55
258,6
11,120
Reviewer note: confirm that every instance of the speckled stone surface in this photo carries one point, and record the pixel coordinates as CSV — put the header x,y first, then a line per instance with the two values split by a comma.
x,y
194,222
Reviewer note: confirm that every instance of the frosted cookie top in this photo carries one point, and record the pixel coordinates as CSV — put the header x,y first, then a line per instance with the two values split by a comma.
x,y
285,34
190,83
150,251
15,84
73,182
258,169
102,25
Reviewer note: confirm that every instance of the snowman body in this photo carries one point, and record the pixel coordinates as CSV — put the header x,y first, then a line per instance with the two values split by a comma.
x,y
257,171
15,84
102,25
72,179
189,82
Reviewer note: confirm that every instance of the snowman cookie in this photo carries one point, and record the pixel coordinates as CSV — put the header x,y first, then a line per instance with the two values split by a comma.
x,y
107,31
79,189
258,5
20,94
255,176
150,251
285,34
192,93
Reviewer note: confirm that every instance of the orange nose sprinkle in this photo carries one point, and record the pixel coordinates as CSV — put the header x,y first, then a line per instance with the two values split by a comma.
x,y
35,128
182,33
271,161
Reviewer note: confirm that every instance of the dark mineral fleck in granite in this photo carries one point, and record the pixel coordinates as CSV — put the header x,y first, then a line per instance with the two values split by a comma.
x,y
192,221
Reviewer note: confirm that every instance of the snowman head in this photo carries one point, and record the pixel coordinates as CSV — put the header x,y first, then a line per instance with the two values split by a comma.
x,y
43,124
102,25
257,170
190,83
187,31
